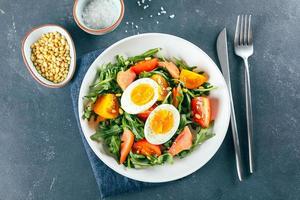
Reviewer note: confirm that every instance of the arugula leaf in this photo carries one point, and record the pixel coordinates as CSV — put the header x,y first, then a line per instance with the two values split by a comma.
x,y
182,64
138,161
203,135
203,90
122,62
128,163
142,56
180,99
114,145
185,119
109,132
160,71
133,123
186,102
141,161
87,112
184,153
106,132
168,144
166,157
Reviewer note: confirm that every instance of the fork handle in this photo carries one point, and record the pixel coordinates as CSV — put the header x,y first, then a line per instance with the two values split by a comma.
x,y
249,114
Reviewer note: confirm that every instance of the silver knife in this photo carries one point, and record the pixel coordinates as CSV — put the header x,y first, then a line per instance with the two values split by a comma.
x,y
223,58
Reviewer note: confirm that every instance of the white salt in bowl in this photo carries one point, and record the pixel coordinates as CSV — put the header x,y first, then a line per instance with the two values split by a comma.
x,y
78,7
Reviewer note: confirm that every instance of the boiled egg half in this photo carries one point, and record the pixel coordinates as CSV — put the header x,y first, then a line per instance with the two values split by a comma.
x,y
161,124
139,96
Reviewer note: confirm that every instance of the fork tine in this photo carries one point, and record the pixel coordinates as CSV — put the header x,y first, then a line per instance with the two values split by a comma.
x,y
249,31
236,35
245,38
241,30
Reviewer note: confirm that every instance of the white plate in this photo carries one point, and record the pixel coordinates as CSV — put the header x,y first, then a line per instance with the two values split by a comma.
x,y
172,46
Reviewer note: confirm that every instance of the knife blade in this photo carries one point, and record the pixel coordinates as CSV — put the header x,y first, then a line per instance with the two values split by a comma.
x,y
223,59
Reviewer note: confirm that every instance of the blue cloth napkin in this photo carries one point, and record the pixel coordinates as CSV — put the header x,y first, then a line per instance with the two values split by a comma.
x,y
109,182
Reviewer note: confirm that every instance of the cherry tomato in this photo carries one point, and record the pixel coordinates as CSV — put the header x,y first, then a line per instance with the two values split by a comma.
x,y
201,111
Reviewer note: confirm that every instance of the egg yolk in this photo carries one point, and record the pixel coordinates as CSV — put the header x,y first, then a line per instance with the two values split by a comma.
x,y
162,122
142,94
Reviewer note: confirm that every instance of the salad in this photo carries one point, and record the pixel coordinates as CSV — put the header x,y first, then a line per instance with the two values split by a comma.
x,y
149,109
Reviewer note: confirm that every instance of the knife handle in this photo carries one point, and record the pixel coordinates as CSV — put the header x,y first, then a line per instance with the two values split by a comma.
x,y
237,148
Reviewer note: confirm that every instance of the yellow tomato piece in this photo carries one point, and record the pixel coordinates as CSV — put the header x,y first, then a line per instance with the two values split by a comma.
x,y
191,79
162,122
107,106
163,84
142,94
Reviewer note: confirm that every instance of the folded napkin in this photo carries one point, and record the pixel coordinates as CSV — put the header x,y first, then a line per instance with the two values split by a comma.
x,y
109,182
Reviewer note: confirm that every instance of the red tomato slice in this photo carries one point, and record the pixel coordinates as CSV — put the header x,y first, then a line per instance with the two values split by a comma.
x,y
127,140
125,78
175,94
171,67
201,111
145,65
144,115
183,142
145,148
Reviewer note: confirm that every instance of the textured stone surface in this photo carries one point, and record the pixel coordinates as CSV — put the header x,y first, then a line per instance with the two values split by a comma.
x,y
41,153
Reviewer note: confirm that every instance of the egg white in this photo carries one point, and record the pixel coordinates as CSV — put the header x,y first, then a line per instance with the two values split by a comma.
x,y
129,106
155,138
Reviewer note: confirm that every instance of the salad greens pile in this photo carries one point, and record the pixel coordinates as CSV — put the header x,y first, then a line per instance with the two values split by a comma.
x,y
109,131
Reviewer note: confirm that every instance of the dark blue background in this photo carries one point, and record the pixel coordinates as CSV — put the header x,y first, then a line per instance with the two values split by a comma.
x,y
41,152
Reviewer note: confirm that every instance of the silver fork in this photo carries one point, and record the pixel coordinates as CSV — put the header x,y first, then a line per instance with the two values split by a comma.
x,y
243,47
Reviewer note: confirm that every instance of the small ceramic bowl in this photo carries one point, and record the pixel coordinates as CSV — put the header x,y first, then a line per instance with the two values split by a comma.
x,y
31,37
77,14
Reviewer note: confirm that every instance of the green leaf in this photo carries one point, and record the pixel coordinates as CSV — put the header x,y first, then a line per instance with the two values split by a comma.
x,y
185,119
186,103
184,153
141,161
168,144
128,162
106,132
142,56
121,61
180,99
168,158
109,132
182,64
203,135
133,123
114,145
160,71
87,112
154,160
